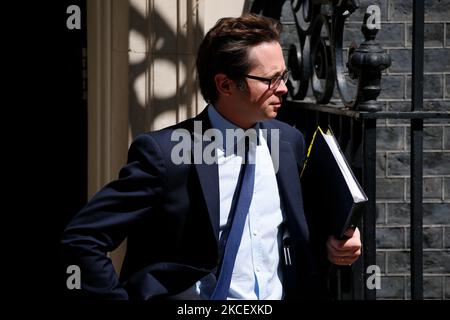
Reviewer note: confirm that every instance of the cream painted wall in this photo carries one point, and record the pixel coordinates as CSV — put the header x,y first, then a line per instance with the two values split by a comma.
x,y
164,36
214,10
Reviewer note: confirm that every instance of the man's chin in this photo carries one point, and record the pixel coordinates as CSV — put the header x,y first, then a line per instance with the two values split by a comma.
x,y
269,114
272,114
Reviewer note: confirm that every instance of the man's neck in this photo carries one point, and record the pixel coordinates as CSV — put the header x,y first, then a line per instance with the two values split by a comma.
x,y
228,113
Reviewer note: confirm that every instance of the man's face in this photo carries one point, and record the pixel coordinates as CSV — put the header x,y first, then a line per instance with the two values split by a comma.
x,y
259,102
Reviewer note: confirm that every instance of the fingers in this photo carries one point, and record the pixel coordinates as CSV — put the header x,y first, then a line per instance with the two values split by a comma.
x,y
343,261
344,246
340,252
344,252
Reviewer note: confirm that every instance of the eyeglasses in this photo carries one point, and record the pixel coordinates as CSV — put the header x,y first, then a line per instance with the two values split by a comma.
x,y
273,82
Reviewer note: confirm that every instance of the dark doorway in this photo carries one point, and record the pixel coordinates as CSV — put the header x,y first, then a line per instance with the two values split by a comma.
x,y
63,122
73,114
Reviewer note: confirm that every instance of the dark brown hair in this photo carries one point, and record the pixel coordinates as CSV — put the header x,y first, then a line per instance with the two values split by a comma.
x,y
225,48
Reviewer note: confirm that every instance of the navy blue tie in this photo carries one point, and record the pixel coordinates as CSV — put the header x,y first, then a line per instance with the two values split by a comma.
x,y
235,235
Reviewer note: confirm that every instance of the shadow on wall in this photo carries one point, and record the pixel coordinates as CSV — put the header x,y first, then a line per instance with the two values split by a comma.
x,y
178,96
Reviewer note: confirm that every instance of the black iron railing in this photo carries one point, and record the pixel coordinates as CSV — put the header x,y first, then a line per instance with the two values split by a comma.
x,y
356,134
319,62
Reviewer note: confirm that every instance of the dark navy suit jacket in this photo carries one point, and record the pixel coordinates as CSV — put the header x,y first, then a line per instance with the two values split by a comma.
x,y
170,215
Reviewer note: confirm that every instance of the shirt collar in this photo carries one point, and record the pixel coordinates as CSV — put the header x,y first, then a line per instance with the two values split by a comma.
x,y
220,123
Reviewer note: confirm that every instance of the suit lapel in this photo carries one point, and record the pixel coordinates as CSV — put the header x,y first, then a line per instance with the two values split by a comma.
x,y
288,183
209,180
208,176
288,180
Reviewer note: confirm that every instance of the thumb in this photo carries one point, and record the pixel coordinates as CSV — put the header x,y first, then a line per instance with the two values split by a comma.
x,y
349,233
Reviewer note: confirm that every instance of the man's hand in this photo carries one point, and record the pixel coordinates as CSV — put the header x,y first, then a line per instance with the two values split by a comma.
x,y
344,252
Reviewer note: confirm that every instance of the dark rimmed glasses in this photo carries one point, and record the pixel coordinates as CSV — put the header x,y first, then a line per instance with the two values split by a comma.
x,y
273,82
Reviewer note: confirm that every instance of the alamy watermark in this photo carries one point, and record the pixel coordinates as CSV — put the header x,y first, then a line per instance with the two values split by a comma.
x,y
201,147
74,20
74,279
374,279
374,20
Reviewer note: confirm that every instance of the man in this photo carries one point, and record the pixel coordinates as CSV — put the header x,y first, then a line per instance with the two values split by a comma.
x,y
177,214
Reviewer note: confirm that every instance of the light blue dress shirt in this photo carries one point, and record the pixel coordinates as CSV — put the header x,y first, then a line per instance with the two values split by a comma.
x,y
257,272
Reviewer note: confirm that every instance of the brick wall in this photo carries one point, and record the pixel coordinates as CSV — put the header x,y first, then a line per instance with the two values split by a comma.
x,y
393,149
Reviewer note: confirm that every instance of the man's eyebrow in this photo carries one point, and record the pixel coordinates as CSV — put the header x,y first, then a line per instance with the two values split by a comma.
x,y
279,73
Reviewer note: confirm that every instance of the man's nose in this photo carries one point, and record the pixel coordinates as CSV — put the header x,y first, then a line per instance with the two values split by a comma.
x,y
282,89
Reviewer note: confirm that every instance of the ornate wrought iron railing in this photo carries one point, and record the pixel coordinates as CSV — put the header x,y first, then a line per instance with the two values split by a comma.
x,y
319,63
319,58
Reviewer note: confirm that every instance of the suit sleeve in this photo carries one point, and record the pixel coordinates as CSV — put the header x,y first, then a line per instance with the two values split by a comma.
x,y
105,221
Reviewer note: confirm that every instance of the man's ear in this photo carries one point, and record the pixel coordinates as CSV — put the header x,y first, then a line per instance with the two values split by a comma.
x,y
223,84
